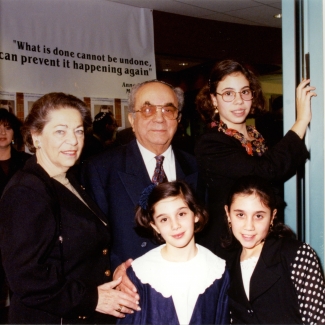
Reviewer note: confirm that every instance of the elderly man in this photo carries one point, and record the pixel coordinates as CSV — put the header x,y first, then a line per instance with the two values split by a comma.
x,y
116,178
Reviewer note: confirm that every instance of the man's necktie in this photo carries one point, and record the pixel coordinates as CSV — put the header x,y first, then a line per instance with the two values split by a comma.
x,y
159,175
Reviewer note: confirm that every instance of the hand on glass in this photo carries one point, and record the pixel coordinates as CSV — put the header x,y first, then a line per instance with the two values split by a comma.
x,y
304,93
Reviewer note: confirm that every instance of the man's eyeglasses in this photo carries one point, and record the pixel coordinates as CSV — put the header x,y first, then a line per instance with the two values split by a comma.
x,y
169,111
230,95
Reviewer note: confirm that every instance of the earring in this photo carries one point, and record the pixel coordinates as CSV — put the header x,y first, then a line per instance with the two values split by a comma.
x,y
271,226
12,141
216,110
229,224
37,144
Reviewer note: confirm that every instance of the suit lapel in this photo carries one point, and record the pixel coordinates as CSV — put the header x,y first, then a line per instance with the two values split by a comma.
x,y
135,178
71,202
59,192
185,170
236,291
179,170
266,266
260,284
90,203
263,277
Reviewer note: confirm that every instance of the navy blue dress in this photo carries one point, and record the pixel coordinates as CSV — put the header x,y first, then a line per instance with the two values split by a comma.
x,y
166,301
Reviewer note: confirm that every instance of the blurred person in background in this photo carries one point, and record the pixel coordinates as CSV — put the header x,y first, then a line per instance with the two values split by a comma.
x,y
10,161
102,135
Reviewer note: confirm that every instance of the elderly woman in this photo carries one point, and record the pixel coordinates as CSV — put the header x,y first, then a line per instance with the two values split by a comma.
x,y
54,240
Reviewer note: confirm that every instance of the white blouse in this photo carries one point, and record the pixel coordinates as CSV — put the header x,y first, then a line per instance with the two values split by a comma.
x,y
247,269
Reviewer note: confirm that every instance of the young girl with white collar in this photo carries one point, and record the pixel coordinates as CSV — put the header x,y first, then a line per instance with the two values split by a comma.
x,y
178,282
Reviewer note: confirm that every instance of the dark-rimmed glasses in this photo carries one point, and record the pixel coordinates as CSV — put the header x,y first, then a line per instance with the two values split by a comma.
x,y
169,111
230,95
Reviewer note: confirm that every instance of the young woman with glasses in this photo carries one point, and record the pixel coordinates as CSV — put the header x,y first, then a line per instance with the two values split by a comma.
x,y
231,149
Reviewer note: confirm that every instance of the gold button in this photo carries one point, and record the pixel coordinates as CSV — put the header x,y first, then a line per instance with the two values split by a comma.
x,y
105,251
107,272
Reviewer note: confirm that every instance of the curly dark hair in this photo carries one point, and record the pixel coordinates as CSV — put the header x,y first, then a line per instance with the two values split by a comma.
x,y
248,185
144,214
222,69
38,116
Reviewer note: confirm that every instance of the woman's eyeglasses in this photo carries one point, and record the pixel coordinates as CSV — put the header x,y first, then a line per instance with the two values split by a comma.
x,y
230,95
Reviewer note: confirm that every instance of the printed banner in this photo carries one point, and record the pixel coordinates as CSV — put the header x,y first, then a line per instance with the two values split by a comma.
x,y
91,49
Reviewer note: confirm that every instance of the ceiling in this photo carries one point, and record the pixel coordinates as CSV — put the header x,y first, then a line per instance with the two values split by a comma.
x,y
247,12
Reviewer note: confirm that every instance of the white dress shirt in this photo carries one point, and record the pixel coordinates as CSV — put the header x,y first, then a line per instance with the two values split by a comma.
x,y
150,162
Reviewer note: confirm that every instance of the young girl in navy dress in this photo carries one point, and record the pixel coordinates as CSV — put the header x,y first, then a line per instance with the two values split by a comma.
x,y
275,279
178,282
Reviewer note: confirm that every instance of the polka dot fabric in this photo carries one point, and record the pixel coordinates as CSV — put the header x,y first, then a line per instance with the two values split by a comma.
x,y
309,283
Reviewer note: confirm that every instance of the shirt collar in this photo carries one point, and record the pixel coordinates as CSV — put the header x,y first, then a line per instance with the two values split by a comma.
x,y
147,155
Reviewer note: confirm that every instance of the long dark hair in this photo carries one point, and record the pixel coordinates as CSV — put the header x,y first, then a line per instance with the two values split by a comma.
x,y
221,70
145,210
248,185
11,120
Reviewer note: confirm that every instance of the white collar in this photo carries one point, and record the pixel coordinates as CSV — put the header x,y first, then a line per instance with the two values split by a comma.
x,y
179,279
150,161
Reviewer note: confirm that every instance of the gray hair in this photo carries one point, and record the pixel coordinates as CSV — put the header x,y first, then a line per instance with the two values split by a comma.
x,y
178,93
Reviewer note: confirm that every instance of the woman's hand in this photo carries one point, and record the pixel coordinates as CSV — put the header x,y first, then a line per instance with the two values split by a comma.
x,y
126,285
304,93
115,302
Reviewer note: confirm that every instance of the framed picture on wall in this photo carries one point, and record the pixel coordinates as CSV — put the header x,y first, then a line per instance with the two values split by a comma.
x,y
8,101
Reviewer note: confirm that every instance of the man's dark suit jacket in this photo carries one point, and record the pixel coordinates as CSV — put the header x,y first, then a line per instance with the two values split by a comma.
x,y
115,179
